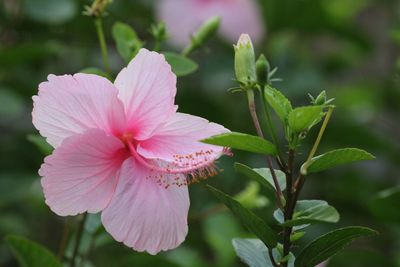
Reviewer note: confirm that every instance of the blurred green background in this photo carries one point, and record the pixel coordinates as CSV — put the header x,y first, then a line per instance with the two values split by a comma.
x,y
348,48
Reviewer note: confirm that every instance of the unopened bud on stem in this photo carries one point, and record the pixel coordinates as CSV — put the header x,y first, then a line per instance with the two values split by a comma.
x,y
245,66
262,69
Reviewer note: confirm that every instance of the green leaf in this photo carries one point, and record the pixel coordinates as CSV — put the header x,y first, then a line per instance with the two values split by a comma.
x,y
329,244
312,211
336,157
31,254
181,65
250,196
40,143
93,70
244,142
303,118
254,253
128,43
263,176
251,221
278,102
385,205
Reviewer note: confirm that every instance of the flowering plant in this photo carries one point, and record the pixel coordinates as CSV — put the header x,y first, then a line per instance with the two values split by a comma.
x,y
119,148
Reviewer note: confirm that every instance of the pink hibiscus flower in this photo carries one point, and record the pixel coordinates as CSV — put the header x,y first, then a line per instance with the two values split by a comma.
x,y
123,150
183,17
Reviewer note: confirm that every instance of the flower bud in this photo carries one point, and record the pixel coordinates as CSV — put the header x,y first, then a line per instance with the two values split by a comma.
x,y
203,34
245,66
262,69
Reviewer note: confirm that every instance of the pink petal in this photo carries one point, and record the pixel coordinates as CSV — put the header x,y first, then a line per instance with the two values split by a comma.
x,y
81,174
144,215
67,105
147,87
240,16
184,17
180,137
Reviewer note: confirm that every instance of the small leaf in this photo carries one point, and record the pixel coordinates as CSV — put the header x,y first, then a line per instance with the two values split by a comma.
x,y
329,244
128,43
251,221
181,65
93,70
312,211
40,143
385,205
303,118
278,102
336,157
244,142
263,176
254,253
31,254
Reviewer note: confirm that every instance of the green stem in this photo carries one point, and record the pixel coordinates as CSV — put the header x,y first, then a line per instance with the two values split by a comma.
x,y
293,191
188,49
317,141
89,250
253,113
271,129
103,46
78,239
64,239
289,208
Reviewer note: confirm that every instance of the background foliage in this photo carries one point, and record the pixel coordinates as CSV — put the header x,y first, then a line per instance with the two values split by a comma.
x,y
348,48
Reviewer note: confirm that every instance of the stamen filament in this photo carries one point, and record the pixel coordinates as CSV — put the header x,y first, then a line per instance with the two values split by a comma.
x,y
177,170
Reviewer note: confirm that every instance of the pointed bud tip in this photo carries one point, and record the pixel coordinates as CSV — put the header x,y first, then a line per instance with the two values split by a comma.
x,y
262,69
245,65
244,40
